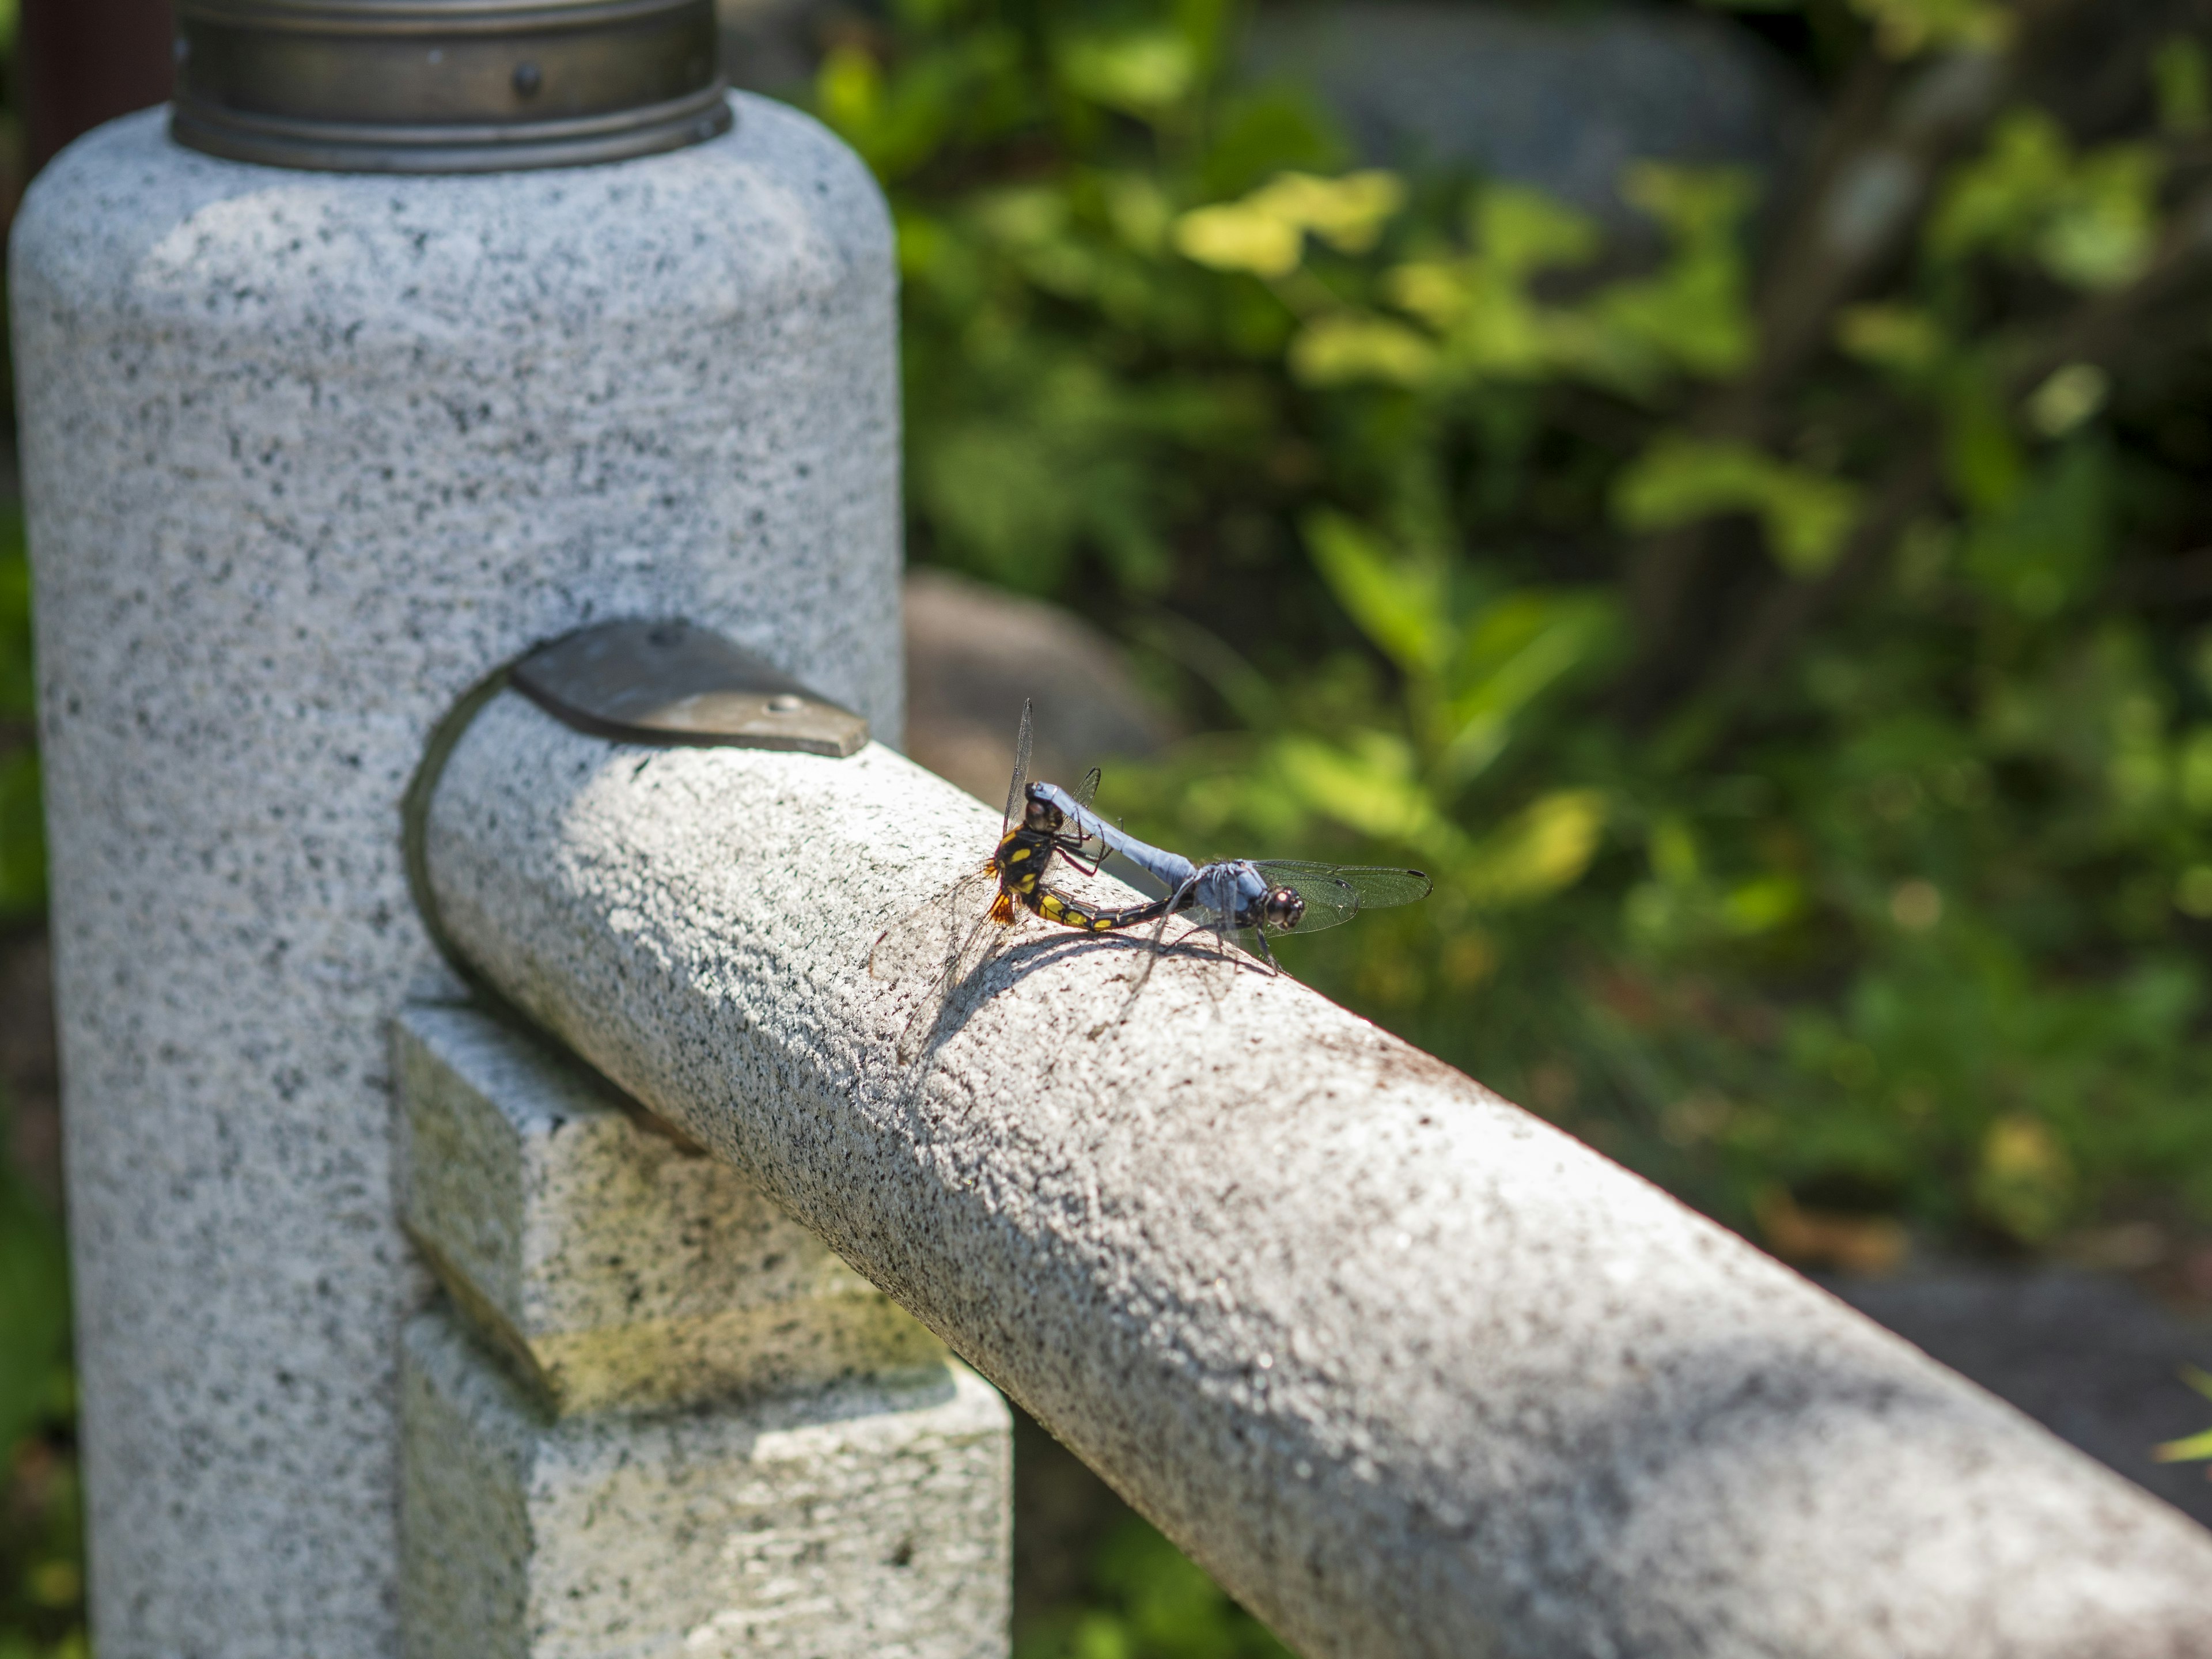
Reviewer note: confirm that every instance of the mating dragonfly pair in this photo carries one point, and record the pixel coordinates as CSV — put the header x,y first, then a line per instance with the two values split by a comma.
x,y
1241,899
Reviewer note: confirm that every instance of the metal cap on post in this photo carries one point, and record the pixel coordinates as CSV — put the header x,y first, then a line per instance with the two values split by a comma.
x,y
445,86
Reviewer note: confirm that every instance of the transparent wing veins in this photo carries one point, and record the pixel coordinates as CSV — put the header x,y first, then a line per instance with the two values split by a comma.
x,y
1335,893
1014,804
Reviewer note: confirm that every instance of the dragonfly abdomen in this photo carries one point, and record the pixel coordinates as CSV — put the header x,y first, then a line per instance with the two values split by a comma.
x,y
1058,907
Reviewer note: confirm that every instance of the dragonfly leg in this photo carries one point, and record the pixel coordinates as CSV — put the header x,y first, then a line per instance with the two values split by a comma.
x,y
1260,938
1155,948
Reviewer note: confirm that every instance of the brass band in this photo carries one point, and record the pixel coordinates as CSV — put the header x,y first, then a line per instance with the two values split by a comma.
x,y
444,86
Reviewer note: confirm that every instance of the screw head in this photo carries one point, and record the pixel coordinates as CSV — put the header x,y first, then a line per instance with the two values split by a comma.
x,y
528,77
784,703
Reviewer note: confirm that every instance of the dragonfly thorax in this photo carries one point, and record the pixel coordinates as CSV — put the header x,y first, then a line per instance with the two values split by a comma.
x,y
1040,812
1022,858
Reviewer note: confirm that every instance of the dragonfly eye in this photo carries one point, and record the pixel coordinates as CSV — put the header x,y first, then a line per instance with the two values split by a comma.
x,y
1283,910
1040,814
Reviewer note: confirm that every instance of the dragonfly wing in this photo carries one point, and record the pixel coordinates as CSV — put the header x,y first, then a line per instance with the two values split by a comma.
x,y
921,938
942,944
1335,893
1094,845
1381,888
1015,806
1329,902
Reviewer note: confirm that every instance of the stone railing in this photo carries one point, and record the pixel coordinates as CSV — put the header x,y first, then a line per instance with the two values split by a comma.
x,y
1411,1371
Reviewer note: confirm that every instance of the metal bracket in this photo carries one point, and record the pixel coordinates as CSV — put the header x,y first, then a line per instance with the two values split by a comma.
x,y
672,682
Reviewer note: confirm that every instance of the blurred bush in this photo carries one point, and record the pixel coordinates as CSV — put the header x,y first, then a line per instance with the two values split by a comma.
x,y
1150,1602
41,1550
1789,652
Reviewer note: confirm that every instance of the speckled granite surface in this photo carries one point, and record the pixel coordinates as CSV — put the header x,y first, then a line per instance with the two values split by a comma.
x,y
1413,1373
2088,1355
622,1269
305,455
867,1518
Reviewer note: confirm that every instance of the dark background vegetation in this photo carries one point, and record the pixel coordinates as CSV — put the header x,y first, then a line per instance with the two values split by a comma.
x,y
1776,602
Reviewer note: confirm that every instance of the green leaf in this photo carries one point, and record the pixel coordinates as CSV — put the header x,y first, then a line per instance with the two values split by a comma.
x,y
1346,350
1806,514
1347,213
1398,603
1541,851
2090,221
2182,74
33,1313
1696,312
1907,29
1523,232
1143,72
1265,232
1259,131
898,122
2048,546
2195,1448
1236,236
1370,788
1983,462
1511,654
1902,339
2069,397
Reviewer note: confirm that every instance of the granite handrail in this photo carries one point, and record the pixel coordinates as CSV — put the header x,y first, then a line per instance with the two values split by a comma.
x,y
1409,1370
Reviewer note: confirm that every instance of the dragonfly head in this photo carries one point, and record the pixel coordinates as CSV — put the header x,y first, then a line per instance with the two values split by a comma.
x,y
1282,910
1039,813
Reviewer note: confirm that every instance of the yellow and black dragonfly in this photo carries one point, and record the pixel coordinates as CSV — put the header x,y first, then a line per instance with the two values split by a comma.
x,y
1043,825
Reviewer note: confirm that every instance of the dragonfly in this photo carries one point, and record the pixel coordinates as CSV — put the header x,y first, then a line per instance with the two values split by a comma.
x,y
1237,899
1242,898
1043,823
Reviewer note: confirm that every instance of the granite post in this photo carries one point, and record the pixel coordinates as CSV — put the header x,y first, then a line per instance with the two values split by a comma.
x,y
305,456
652,1414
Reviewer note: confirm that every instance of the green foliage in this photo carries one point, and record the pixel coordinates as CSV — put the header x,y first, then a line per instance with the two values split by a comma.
x,y
1813,742
1906,28
33,1316
41,1558
1805,512
2090,220
1149,1602
23,819
2197,1447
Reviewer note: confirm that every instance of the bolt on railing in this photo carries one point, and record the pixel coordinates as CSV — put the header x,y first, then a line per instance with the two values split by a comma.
x,y
1411,1371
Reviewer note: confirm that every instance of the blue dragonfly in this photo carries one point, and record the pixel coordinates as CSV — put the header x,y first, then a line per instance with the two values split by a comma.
x,y
1243,899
